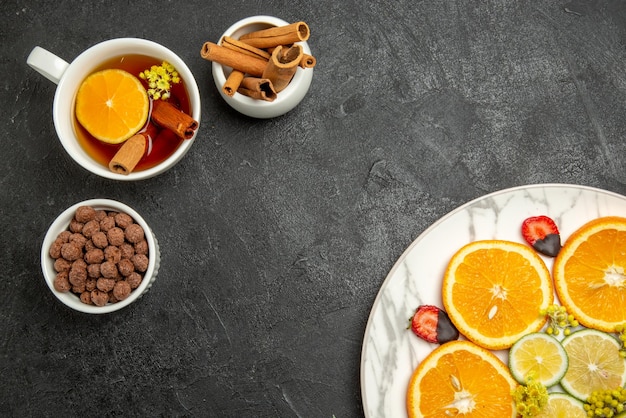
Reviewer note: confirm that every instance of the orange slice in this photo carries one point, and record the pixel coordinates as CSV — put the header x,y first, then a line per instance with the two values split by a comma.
x,y
112,105
493,292
590,273
461,379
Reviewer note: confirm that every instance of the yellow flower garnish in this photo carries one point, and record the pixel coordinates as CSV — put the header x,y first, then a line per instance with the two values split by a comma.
x,y
559,319
160,79
530,398
606,403
621,331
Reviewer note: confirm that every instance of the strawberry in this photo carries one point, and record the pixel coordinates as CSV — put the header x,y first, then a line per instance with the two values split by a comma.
x,y
433,325
542,234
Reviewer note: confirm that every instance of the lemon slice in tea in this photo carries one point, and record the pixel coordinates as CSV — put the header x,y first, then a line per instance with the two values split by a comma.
x,y
112,105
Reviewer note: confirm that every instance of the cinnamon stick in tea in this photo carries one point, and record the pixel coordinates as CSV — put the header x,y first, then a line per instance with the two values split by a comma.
x,y
132,151
236,45
233,81
257,88
168,116
282,66
278,35
233,59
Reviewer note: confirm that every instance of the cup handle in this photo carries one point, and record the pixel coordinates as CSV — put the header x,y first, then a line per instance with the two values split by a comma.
x,y
47,64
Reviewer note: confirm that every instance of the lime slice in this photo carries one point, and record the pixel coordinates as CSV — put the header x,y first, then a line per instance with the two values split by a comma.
x,y
594,363
539,356
563,406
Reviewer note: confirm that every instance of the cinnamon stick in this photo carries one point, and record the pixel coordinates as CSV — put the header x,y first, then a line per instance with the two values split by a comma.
x,y
132,151
233,81
236,45
168,116
308,61
233,59
282,66
257,88
278,35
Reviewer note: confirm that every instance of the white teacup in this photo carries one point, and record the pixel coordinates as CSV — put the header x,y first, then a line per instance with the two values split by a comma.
x,y
68,78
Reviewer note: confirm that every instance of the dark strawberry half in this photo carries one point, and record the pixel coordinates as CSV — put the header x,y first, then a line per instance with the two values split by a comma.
x,y
542,234
433,325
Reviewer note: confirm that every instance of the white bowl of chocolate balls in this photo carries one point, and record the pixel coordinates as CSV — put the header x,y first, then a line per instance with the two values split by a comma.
x,y
99,256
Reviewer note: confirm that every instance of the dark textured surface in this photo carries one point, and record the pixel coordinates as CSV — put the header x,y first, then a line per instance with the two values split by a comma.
x,y
277,234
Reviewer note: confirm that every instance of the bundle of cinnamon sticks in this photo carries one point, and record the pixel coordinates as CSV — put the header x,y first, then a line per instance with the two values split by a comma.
x,y
263,62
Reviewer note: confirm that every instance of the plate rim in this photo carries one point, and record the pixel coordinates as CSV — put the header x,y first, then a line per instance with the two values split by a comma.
x,y
425,232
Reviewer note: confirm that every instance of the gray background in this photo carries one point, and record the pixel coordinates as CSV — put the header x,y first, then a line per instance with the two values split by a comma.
x,y
277,234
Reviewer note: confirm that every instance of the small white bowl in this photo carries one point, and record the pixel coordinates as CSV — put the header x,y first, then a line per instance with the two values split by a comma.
x,y
62,222
286,99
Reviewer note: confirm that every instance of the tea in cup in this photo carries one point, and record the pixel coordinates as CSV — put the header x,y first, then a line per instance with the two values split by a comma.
x,y
170,107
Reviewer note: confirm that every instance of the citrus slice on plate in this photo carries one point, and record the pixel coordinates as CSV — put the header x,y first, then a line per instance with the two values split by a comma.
x,y
460,378
538,356
594,363
590,273
493,291
112,105
561,405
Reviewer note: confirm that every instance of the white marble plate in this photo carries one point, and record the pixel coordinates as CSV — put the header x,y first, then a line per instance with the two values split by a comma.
x,y
390,351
